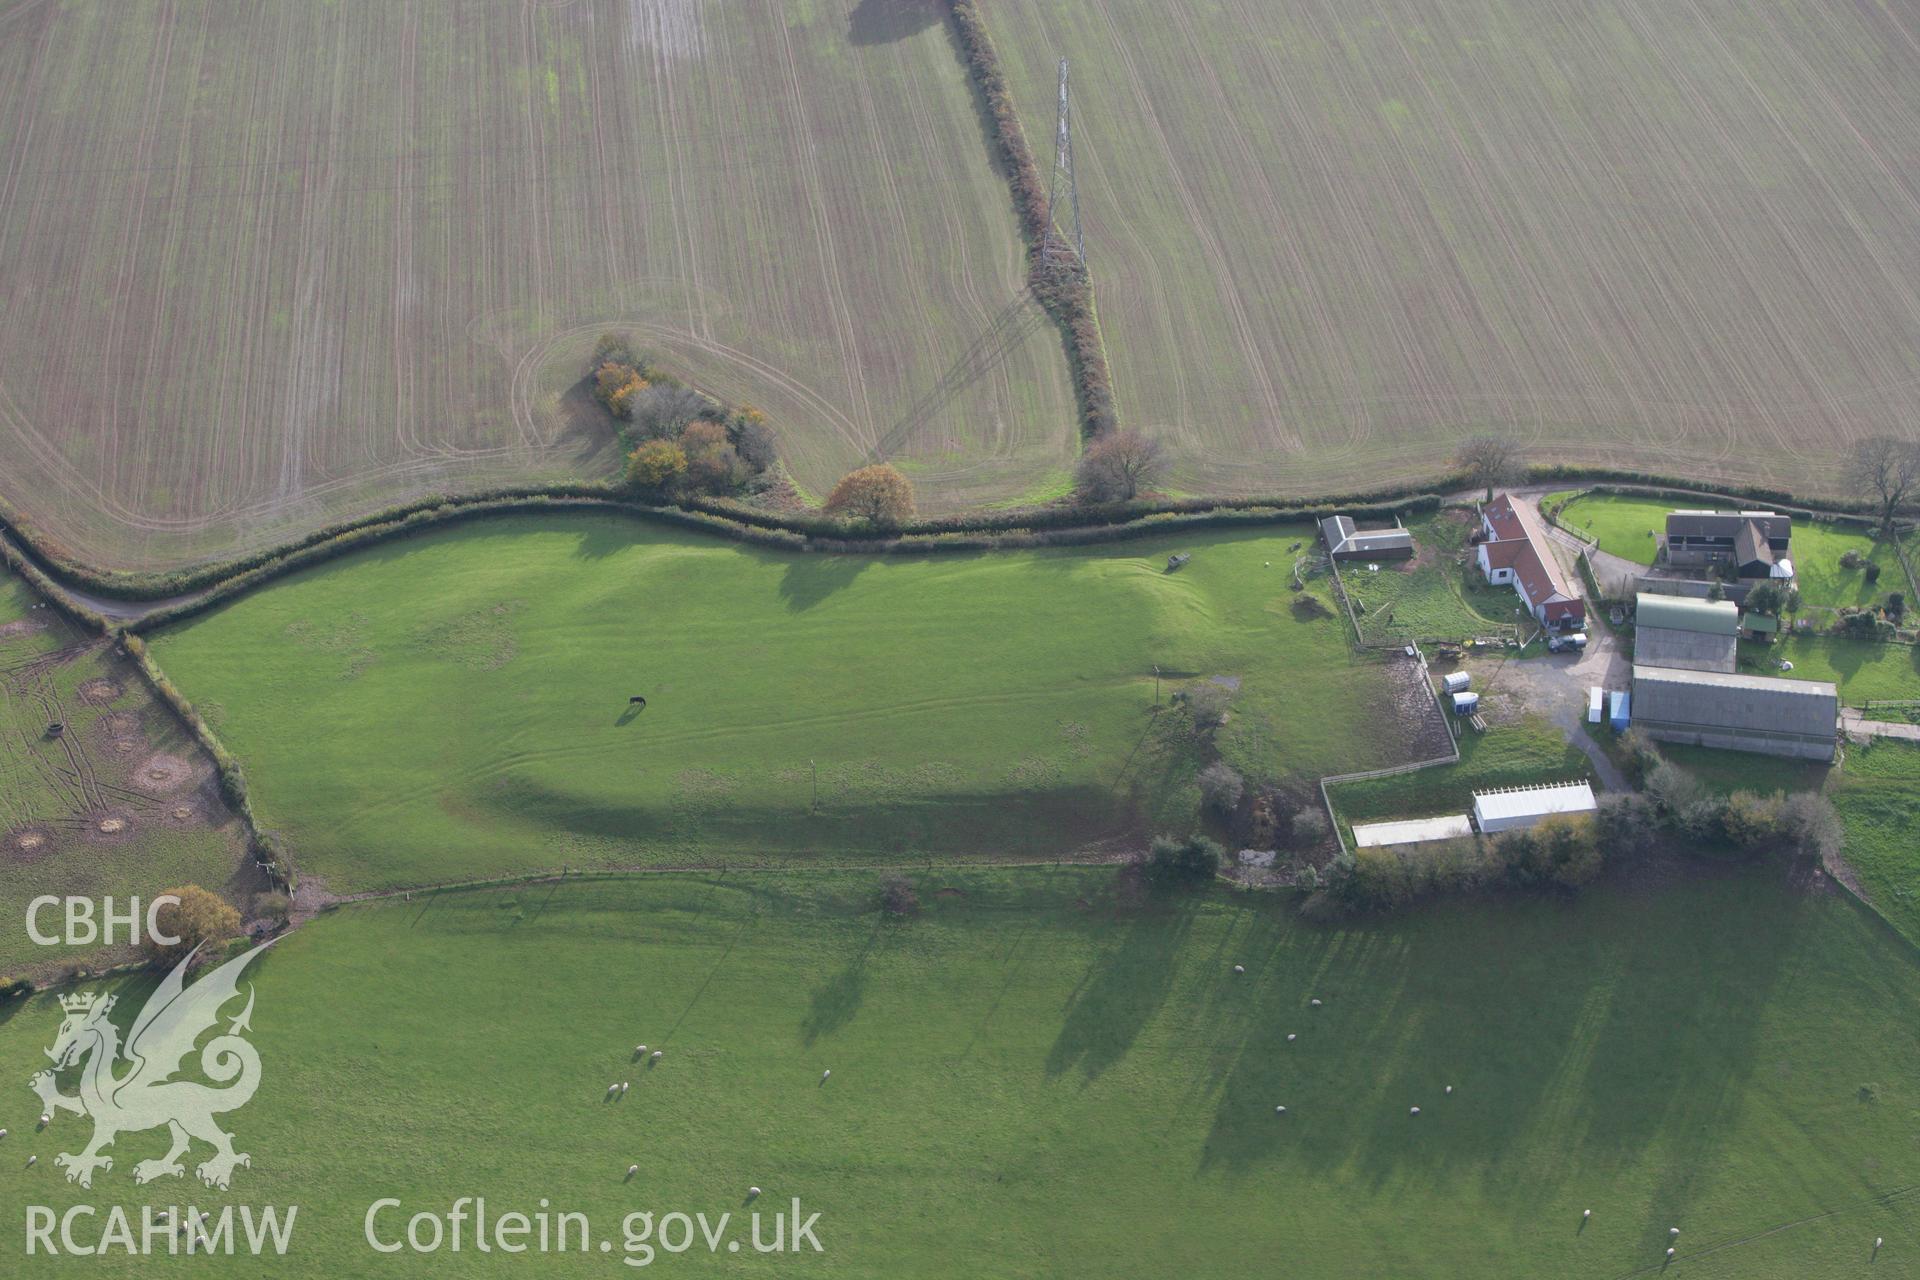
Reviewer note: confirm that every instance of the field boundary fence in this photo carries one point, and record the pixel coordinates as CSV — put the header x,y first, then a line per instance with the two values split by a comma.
x,y
1453,757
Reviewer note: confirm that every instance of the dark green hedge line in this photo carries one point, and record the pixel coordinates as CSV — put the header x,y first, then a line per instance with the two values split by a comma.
x,y
233,779
17,558
909,543
1058,278
129,585
1622,481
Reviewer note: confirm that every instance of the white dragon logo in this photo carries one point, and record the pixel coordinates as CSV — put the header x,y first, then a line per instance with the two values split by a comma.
x,y
147,1096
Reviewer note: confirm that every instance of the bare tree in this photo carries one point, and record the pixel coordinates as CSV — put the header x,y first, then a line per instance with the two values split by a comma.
x,y
1888,469
1488,461
1118,465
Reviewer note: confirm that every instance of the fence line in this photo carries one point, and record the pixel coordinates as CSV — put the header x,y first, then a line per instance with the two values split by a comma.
x,y
1453,757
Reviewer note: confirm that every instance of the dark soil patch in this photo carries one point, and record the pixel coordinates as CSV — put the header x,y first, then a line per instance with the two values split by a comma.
x,y
1308,607
26,844
21,627
99,691
950,892
1422,726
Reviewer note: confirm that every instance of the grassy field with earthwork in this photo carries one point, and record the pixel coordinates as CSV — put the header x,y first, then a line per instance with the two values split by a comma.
x,y
119,801
1330,239
457,704
262,268
1031,1079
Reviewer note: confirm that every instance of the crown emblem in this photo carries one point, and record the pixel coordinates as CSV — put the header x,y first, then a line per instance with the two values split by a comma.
x,y
84,1002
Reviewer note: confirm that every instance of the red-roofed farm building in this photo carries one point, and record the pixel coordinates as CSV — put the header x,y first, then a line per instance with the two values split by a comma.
x,y
1513,550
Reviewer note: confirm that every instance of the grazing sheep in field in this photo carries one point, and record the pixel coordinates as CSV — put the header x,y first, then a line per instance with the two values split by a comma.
x,y
639,1051
1413,1111
1673,1231
1291,1037
1239,968
1449,1090
3,1133
826,1074
32,1161
657,1055
1315,1002
753,1193
1586,1213
624,1086
1279,1111
45,1119
632,1169
1669,1253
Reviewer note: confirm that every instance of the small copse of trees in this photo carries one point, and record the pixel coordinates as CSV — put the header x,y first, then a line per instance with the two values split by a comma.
x,y
679,443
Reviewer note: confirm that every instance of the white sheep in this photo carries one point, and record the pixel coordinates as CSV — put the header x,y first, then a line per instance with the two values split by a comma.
x,y
632,1169
1449,1090
1586,1213
1413,1111
1279,1111
32,1161
753,1193
624,1086
1291,1037
639,1051
827,1074
1673,1231
3,1133
658,1054
613,1088
1669,1253
45,1119
1239,968
1878,1241
1316,1002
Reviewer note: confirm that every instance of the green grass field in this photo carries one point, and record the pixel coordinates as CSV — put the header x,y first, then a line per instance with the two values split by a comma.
x,y
1029,1082
1863,670
457,704
122,761
1880,803
1430,597
320,258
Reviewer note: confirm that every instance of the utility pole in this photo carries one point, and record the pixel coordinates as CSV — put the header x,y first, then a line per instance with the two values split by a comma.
x,y
1063,172
1156,686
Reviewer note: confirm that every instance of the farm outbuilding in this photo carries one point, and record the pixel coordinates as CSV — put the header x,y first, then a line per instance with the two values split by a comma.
x,y
1684,634
1347,541
1371,835
1511,808
1796,718
1755,541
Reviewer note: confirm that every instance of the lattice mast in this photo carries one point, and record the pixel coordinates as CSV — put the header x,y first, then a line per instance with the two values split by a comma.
x,y
1063,183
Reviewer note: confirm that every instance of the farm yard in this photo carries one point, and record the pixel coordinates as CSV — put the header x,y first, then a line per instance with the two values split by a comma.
x,y
1058,1072
1331,239
266,267
961,705
118,801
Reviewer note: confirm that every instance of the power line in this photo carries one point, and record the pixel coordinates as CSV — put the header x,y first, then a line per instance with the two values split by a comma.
x,y
1063,170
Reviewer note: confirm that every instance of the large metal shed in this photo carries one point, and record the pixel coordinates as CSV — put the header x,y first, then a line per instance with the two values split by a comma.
x,y
1796,718
1685,634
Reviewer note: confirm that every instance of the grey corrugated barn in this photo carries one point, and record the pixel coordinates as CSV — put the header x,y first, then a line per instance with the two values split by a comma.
x,y
1798,718
1753,539
1692,635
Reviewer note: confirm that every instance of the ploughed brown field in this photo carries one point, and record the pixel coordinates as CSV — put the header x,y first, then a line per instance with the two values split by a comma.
x,y
263,265
1330,237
